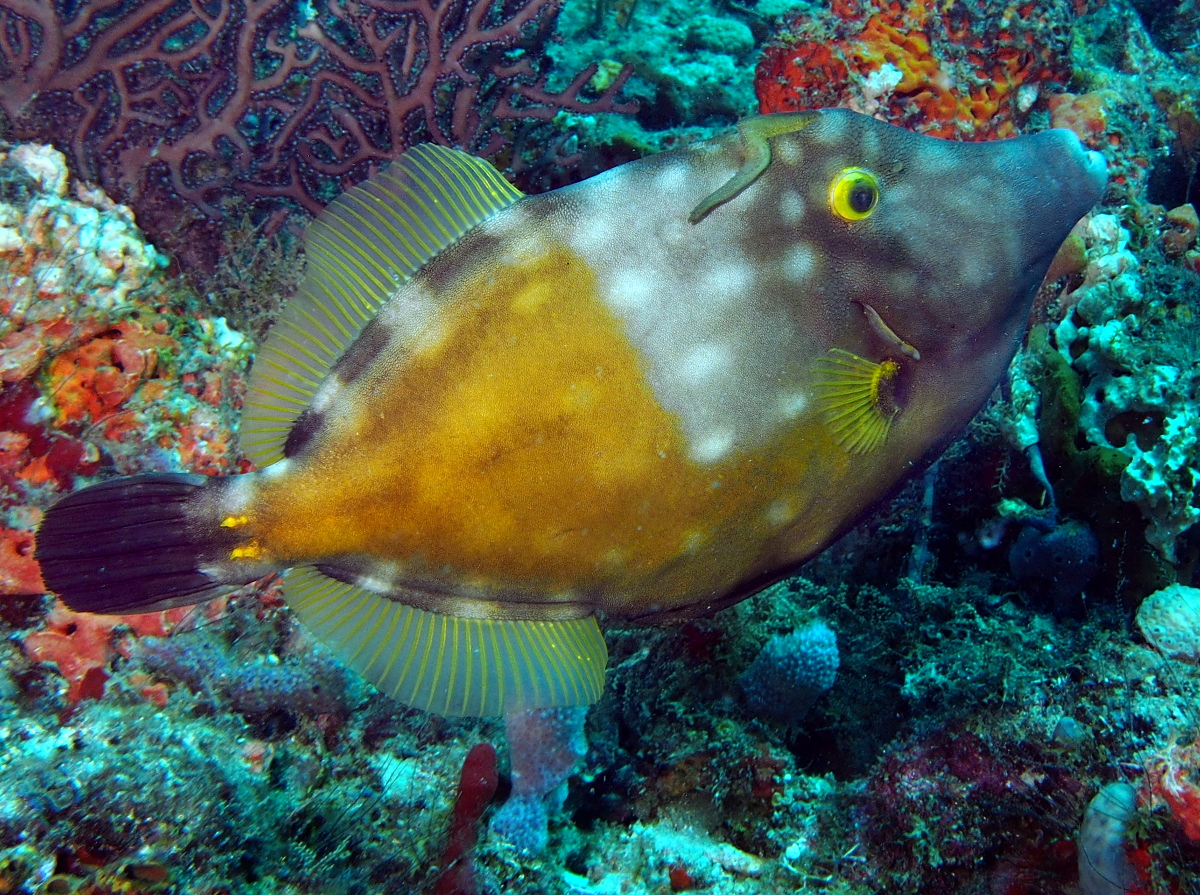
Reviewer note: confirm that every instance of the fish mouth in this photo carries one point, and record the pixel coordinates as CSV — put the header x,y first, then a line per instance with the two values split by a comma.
x,y
1075,159
1096,167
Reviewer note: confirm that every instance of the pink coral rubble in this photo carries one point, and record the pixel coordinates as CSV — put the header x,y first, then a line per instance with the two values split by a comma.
x,y
105,364
961,71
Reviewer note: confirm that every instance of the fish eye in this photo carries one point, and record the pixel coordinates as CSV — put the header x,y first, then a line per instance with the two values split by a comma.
x,y
854,194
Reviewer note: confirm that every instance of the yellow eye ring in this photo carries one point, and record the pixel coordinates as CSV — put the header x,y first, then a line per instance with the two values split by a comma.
x,y
854,194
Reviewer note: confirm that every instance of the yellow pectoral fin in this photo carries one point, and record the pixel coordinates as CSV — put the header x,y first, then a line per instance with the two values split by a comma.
x,y
856,399
448,664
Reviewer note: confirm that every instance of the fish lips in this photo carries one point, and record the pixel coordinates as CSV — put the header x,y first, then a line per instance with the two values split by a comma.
x,y
1070,180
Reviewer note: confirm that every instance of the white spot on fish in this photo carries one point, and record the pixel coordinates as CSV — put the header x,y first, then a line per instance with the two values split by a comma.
x,y
780,512
727,282
632,289
704,362
713,447
672,179
788,152
276,470
382,578
412,317
239,491
326,395
799,263
793,406
791,207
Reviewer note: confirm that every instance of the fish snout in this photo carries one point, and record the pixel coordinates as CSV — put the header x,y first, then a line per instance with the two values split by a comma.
x,y
1082,173
1062,180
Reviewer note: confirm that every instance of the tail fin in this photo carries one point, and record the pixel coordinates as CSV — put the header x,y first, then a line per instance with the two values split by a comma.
x,y
139,544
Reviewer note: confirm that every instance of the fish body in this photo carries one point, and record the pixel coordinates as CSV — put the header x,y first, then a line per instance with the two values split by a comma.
x,y
489,417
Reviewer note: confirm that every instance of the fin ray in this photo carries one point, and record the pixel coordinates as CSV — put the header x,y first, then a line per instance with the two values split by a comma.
x,y
451,664
854,399
361,251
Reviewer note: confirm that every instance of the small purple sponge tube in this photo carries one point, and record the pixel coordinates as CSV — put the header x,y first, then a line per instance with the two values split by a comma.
x,y
545,746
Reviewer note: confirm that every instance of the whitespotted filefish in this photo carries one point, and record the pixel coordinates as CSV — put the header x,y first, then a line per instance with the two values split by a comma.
x,y
488,417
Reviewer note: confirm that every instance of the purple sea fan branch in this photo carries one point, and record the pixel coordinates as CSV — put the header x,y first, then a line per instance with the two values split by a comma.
x,y
31,48
186,108
542,104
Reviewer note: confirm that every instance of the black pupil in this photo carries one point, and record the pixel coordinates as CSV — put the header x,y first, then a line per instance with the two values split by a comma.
x,y
862,197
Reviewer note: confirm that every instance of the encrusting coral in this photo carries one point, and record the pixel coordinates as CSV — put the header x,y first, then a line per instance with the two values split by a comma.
x,y
965,71
107,366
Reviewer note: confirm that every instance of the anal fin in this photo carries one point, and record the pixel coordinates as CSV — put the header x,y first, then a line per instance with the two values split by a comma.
x,y
449,664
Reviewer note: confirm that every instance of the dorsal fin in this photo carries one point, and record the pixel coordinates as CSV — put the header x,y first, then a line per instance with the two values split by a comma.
x,y
365,245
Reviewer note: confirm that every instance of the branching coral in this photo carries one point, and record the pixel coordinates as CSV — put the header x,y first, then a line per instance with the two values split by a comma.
x,y
186,108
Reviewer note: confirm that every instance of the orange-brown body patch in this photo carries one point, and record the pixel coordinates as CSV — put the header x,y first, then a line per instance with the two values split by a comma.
x,y
526,452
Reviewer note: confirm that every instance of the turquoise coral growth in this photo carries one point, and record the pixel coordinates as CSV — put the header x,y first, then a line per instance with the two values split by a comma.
x,y
791,672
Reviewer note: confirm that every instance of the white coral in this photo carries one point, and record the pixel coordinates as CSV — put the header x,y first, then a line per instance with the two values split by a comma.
x,y
1103,339
84,243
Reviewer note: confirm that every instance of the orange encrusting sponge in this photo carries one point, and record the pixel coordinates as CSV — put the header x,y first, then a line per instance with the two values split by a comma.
x,y
957,71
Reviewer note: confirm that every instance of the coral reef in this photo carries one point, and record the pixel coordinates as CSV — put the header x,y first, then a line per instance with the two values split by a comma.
x,y
967,71
183,110
94,336
80,646
973,734
266,690
107,366
934,797
1169,619
1130,355
691,67
1137,392
1056,565
1171,780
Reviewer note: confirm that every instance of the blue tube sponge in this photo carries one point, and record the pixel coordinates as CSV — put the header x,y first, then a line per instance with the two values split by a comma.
x,y
545,747
1103,867
791,672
